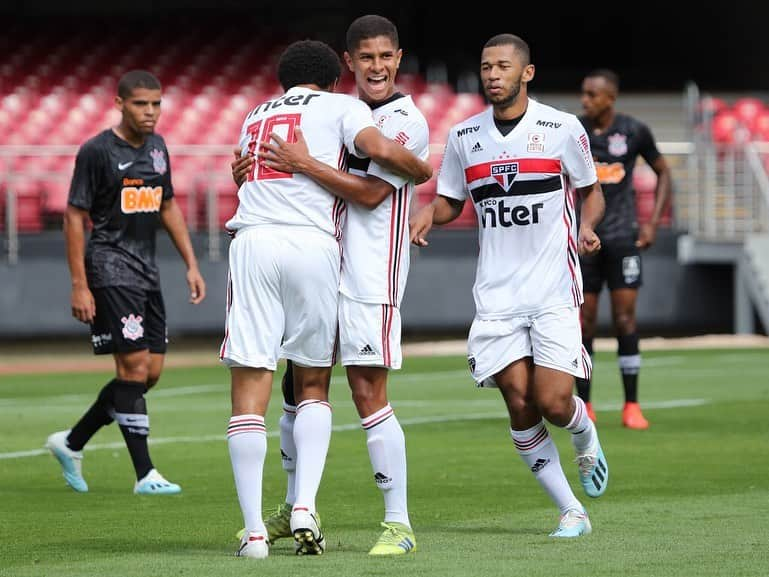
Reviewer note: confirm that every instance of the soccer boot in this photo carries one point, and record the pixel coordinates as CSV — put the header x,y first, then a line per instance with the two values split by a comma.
x,y
593,470
253,545
397,539
573,523
590,411
71,461
278,524
305,527
633,418
153,483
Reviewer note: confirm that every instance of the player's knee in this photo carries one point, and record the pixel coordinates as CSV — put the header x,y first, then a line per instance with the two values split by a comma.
x,y
624,322
556,406
152,380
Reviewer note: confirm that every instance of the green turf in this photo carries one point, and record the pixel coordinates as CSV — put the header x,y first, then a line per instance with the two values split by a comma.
x,y
688,497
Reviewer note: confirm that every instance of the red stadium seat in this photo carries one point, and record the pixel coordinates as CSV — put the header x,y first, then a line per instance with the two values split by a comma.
x,y
747,108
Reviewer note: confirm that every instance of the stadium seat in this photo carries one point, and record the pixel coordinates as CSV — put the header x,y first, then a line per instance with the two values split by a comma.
x,y
747,108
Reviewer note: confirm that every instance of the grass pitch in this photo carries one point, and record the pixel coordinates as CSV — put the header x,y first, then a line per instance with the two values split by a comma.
x,y
690,496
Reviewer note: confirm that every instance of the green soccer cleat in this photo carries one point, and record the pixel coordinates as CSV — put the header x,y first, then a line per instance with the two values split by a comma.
x,y
278,524
397,539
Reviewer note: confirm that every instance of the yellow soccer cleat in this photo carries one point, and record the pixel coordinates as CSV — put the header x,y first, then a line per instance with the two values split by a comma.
x,y
397,539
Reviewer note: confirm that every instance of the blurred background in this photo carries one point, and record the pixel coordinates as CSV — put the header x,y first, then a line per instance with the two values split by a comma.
x,y
699,80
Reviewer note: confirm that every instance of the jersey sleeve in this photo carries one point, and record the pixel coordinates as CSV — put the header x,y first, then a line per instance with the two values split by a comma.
x,y
168,186
647,147
578,157
415,136
85,178
451,175
357,116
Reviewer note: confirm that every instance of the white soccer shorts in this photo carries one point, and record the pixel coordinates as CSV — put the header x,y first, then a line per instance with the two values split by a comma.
x,y
282,297
369,334
552,338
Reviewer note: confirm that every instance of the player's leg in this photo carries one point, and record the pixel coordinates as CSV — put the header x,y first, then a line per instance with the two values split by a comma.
x,y
254,329
370,346
247,444
310,281
558,358
624,280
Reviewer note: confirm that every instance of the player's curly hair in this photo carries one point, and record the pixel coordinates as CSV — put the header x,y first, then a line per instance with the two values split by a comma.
x,y
370,26
309,62
134,79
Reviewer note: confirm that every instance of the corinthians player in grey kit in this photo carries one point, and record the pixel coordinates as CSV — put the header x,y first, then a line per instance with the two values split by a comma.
x,y
122,183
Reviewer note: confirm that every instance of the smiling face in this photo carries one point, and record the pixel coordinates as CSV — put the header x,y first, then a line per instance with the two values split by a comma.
x,y
140,110
374,63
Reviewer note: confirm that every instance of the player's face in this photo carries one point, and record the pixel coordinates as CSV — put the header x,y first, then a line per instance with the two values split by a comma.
x,y
140,110
597,96
375,63
503,74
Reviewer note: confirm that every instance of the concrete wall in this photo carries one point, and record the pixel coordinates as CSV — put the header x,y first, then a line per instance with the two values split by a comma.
x,y
34,300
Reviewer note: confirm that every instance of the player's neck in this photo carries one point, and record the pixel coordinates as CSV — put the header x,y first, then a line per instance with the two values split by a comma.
x,y
132,137
604,120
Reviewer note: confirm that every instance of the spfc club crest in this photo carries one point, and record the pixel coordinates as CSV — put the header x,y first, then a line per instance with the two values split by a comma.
x,y
159,163
617,145
504,173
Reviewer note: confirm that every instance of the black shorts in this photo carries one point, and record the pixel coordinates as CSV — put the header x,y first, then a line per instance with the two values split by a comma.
x,y
618,265
128,319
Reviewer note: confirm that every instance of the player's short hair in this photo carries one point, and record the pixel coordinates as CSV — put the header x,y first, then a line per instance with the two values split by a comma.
x,y
308,62
370,26
610,76
518,43
134,79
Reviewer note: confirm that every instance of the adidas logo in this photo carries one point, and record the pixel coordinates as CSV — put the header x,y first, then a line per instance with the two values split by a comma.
x,y
477,147
575,363
381,478
285,457
539,465
366,351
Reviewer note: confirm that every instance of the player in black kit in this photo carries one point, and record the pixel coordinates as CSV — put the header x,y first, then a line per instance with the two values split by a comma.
x,y
617,140
122,183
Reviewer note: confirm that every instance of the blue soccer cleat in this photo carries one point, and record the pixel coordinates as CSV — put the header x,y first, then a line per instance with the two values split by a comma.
x,y
153,483
573,523
71,461
593,471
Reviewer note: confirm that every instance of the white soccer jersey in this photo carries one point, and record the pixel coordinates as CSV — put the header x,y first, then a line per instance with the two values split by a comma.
x,y
375,261
329,123
521,187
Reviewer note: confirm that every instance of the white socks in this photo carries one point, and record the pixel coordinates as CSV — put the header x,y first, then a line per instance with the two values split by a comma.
x,y
582,429
288,450
247,442
387,452
312,435
540,454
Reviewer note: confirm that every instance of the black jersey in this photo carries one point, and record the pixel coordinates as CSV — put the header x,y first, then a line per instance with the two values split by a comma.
x,y
615,152
122,188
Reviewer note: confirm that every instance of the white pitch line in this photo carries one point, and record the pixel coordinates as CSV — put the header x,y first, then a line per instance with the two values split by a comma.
x,y
672,404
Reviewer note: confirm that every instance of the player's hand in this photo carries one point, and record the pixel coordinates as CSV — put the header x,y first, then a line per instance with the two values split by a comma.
x,y
241,166
284,156
420,224
647,234
83,304
588,242
197,285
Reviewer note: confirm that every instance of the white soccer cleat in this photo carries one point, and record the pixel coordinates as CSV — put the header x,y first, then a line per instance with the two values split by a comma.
x,y
573,523
71,461
306,529
153,483
253,545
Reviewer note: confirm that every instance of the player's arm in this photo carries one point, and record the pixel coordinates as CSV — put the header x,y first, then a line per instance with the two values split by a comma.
x,y
593,206
368,191
173,221
441,210
82,301
392,156
647,232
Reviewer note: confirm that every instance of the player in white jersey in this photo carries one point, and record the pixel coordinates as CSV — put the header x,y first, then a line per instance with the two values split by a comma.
x,y
283,281
517,162
374,271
